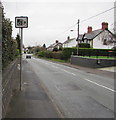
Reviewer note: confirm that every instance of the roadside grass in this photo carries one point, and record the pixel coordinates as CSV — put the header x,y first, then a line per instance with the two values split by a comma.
x,y
56,60
99,57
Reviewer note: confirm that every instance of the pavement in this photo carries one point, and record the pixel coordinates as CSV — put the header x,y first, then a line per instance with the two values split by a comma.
x,y
34,102
110,69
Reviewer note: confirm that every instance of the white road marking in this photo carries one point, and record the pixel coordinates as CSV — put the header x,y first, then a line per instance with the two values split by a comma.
x,y
100,85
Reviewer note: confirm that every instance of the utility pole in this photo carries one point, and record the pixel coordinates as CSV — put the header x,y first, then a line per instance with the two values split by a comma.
x,y
78,38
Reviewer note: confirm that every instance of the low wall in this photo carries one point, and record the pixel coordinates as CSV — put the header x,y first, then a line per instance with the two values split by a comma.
x,y
10,84
92,63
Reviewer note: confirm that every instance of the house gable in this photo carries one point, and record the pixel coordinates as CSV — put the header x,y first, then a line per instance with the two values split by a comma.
x,y
104,40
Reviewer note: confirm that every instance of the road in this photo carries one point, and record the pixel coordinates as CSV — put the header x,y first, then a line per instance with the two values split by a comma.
x,y
75,93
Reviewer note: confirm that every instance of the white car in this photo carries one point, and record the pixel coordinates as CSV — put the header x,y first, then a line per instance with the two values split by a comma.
x,y
28,56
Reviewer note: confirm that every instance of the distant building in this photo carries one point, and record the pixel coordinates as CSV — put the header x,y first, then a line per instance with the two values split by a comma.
x,y
101,38
71,42
57,45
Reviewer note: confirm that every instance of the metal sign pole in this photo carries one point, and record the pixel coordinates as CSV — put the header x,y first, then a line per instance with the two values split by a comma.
x,y
21,22
21,46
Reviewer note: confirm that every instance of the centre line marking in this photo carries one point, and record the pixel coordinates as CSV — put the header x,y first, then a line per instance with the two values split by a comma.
x,y
100,85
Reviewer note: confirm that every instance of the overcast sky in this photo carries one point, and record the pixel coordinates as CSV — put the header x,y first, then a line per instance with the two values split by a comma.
x,y
48,19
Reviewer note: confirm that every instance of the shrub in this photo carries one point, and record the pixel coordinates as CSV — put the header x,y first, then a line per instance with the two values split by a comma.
x,y
57,55
55,49
67,52
84,45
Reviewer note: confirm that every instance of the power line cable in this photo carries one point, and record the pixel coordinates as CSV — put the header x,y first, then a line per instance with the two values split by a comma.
x,y
97,14
86,20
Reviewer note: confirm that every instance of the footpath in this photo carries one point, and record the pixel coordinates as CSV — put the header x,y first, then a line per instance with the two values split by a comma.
x,y
32,101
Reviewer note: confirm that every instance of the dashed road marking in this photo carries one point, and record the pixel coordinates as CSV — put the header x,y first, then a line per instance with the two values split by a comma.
x,y
100,85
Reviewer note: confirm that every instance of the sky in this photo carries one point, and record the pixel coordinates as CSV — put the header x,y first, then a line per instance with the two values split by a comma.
x,y
51,20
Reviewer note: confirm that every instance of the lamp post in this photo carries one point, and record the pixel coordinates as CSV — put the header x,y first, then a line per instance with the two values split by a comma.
x,y
78,38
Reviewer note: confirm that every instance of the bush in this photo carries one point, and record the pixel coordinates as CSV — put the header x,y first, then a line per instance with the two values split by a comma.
x,y
55,49
47,54
57,55
84,45
67,52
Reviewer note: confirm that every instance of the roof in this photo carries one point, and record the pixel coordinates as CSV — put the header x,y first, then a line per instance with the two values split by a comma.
x,y
54,45
92,34
68,41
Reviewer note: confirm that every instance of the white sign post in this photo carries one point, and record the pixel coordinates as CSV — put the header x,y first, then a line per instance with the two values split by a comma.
x,y
21,22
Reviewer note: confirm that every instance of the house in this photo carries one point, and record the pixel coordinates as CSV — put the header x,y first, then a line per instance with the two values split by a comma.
x,y
71,42
101,38
57,45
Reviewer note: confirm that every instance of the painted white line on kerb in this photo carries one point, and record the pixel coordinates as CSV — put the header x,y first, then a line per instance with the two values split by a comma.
x,y
100,85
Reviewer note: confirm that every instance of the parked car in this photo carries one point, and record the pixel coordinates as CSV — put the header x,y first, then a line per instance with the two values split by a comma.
x,y
28,56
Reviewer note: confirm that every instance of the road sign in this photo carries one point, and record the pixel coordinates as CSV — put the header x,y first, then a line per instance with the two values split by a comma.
x,y
21,22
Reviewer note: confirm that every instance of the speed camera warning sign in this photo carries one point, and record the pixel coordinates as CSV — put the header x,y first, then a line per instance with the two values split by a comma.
x,y
21,22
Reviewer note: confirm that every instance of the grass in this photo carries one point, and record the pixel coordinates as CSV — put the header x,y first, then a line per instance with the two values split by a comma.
x,y
56,60
100,57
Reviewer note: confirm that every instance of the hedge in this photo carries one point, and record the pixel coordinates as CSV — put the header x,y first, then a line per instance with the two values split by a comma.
x,y
84,45
67,52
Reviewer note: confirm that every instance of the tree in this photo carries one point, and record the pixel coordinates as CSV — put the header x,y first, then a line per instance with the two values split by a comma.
x,y
44,46
18,41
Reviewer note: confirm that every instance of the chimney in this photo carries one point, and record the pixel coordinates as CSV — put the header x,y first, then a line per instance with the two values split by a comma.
x,y
89,29
68,38
104,25
57,41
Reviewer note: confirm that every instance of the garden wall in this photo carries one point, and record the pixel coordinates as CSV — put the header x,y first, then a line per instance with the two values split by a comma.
x,y
10,83
92,63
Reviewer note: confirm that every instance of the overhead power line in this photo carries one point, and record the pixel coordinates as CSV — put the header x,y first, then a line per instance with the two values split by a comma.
x,y
85,20
97,14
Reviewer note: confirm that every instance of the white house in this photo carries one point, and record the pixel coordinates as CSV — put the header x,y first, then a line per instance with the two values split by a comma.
x,y
57,45
101,38
71,42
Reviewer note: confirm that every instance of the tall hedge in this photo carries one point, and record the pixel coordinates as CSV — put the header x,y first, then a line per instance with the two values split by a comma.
x,y
67,52
9,45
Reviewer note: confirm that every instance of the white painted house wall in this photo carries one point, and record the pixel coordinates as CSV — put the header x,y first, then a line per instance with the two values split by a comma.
x,y
72,43
98,41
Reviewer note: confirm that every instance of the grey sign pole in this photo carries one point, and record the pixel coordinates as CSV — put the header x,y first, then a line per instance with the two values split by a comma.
x,y
21,55
21,22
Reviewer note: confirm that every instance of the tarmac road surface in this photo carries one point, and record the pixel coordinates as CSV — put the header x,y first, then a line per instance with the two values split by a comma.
x,y
51,90
77,94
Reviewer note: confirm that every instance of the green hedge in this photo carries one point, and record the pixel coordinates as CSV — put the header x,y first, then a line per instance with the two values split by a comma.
x,y
67,52
84,45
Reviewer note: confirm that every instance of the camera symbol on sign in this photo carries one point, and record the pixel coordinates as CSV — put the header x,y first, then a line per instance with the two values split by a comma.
x,y
21,22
